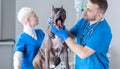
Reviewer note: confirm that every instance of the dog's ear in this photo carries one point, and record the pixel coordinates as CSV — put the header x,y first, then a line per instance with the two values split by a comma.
x,y
52,7
62,6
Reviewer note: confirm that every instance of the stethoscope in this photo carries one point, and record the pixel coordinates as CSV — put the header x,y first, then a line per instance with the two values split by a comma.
x,y
87,34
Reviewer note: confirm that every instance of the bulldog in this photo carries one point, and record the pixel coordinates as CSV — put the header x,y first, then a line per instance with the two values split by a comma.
x,y
48,56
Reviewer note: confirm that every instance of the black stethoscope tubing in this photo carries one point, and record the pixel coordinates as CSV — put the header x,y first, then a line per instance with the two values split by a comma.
x,y
89,33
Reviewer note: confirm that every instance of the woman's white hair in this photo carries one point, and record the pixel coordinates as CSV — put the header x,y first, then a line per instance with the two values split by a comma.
x,y
24,13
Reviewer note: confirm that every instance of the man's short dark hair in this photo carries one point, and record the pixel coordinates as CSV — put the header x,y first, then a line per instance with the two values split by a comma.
x,y
103,5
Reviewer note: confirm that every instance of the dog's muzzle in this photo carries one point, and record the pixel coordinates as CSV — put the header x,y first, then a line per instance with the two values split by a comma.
x,y
59,23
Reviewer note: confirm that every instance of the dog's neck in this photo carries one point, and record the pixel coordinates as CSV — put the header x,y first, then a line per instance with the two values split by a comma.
x,y
48,32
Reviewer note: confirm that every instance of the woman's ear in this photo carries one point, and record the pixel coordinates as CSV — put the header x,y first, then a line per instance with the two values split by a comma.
x,y
27,21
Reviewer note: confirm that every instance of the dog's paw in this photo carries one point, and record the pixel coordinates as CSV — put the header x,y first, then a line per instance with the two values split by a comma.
x,y
52,66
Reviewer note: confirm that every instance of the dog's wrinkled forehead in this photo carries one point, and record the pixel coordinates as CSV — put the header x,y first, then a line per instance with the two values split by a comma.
x,y
58,13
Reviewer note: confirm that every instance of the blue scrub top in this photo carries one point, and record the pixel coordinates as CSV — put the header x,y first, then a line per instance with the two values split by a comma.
x,y
29,47
99,40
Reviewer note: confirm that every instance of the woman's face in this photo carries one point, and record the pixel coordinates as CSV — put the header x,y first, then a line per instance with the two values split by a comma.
x,y
33,20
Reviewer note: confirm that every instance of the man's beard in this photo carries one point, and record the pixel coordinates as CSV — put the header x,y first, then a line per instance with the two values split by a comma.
x,y
88,18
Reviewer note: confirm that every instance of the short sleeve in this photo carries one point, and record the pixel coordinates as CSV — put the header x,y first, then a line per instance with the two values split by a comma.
x,y
76,28
73,30
19,45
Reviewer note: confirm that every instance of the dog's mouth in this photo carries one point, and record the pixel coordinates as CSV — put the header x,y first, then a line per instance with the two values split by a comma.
x,y
59,23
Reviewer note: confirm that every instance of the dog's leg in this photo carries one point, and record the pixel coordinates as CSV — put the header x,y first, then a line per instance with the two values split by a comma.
x,y
47,58
48,45
36,62
65,53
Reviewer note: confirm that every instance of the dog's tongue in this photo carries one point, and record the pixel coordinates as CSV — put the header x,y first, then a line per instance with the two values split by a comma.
x,y
59,24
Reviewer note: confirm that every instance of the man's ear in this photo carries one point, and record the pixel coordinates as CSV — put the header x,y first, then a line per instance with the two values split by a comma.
x,y
99,16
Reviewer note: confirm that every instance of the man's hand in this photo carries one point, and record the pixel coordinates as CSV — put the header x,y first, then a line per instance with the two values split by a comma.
x,y
61,33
